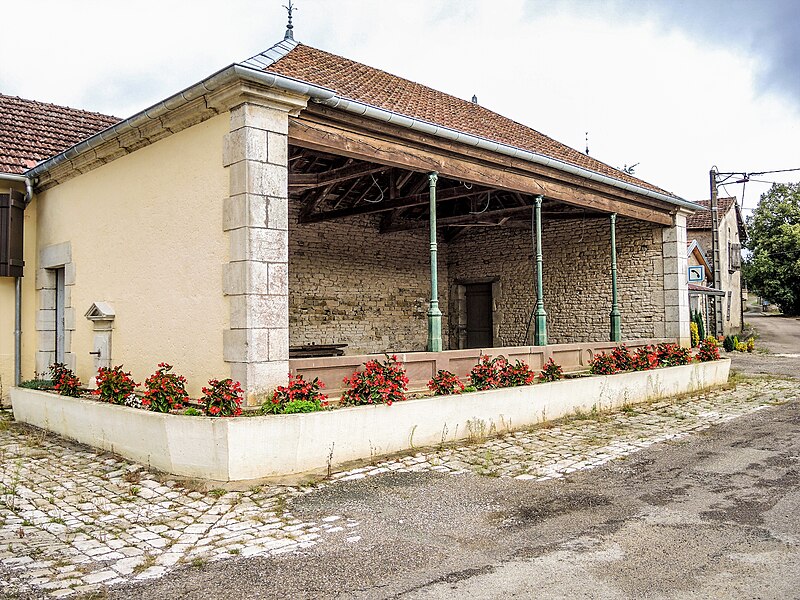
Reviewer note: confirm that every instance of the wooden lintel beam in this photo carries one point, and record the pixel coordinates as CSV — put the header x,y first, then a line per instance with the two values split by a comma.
x,y
364,146
309,181
350,120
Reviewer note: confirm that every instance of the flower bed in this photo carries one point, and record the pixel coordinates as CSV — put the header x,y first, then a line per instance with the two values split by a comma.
x,y
280,445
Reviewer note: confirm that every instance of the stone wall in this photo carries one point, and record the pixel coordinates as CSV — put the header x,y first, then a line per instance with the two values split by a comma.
x,y
577,279
350,284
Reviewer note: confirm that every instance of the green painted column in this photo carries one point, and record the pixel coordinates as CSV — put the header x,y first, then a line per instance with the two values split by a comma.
x,y
434,314
616,319
540,333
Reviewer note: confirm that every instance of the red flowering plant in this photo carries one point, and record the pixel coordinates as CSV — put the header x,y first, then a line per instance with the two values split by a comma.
x,y
623,359
299,396
64,380
165,391
672,355
551,371
644,359
708,350
222,398
517,374
486,375
602,364
114,385
445,383
381,382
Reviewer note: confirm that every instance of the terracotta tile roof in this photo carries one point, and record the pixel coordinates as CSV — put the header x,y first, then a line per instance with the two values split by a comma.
x,y
31,131
361,83
702,219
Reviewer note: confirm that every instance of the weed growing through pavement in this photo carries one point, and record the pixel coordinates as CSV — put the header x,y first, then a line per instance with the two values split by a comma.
x,y
148,560
217,493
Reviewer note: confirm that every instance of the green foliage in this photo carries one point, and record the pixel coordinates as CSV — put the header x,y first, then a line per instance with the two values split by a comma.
x,y
38,384
697,318
193,412
301,394
730,342
773,269
301,406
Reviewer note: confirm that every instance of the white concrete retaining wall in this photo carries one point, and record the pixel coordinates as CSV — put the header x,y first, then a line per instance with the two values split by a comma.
x,y
280,445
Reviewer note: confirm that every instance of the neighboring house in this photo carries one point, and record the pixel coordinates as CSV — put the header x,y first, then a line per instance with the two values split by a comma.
x,y
732,234
701,292
282,206
31,132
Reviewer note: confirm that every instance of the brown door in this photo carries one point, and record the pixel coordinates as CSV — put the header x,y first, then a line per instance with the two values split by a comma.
x,y
479,315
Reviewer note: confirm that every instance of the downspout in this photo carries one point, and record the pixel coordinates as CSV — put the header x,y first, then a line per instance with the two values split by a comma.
x,y
18,287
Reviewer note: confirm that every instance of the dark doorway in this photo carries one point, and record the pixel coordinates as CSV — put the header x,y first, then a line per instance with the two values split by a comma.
x,y
479,315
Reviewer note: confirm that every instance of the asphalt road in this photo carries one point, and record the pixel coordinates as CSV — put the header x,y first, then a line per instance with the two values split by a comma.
x,y
780,336
711,516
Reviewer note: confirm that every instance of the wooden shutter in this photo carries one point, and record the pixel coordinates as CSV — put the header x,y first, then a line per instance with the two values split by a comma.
x,y
12,214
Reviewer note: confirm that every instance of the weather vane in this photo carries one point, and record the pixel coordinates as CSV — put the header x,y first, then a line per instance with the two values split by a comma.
x,y
290,9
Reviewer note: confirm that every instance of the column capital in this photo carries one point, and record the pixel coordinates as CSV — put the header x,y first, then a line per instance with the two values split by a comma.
x,y
247,92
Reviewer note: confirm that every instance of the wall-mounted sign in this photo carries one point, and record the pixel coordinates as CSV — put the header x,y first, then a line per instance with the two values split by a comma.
x,y
697,274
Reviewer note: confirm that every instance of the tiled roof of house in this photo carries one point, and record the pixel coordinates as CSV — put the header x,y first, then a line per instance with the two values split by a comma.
x,y
358,82
31,131
702,219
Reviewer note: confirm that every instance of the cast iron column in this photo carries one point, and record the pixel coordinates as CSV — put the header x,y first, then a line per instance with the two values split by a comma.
x,y
616,329
540,333
434,314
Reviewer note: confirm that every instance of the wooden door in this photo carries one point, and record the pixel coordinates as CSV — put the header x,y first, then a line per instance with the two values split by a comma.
x,y
479,315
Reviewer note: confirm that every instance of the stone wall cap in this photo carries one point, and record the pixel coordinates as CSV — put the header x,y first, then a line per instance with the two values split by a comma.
x,y
100,311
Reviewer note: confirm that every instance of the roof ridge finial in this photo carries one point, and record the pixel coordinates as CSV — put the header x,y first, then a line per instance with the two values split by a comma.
x,y
290,9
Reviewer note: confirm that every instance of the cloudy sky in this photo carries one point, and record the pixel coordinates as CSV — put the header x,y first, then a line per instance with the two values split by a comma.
x,y
674,87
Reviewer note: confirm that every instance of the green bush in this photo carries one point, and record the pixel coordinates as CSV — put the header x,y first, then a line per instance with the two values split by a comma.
x,y
38,384
701,328
301,406
730,342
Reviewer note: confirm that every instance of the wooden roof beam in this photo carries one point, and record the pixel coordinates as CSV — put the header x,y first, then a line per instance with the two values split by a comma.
x,y
322,136
444,195
308,181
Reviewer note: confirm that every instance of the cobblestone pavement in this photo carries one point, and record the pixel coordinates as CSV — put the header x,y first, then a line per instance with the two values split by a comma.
x,y
73,520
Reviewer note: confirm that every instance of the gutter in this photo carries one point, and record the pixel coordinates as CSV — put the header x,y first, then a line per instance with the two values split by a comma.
x,y
28,181
329,98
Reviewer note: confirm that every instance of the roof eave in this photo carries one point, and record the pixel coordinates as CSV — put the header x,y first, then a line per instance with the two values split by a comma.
x,y
331,98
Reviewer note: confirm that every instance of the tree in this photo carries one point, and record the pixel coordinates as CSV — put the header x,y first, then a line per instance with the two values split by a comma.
x,y
773,269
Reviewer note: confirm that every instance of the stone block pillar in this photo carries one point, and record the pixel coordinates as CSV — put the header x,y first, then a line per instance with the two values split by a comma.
x,y
255,152
676,287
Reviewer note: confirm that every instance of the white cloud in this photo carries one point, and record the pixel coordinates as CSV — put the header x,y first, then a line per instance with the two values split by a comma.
x,y
646,93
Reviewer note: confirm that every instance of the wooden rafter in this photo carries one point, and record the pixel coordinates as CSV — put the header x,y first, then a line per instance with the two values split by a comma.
x,y
390,205
307,181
